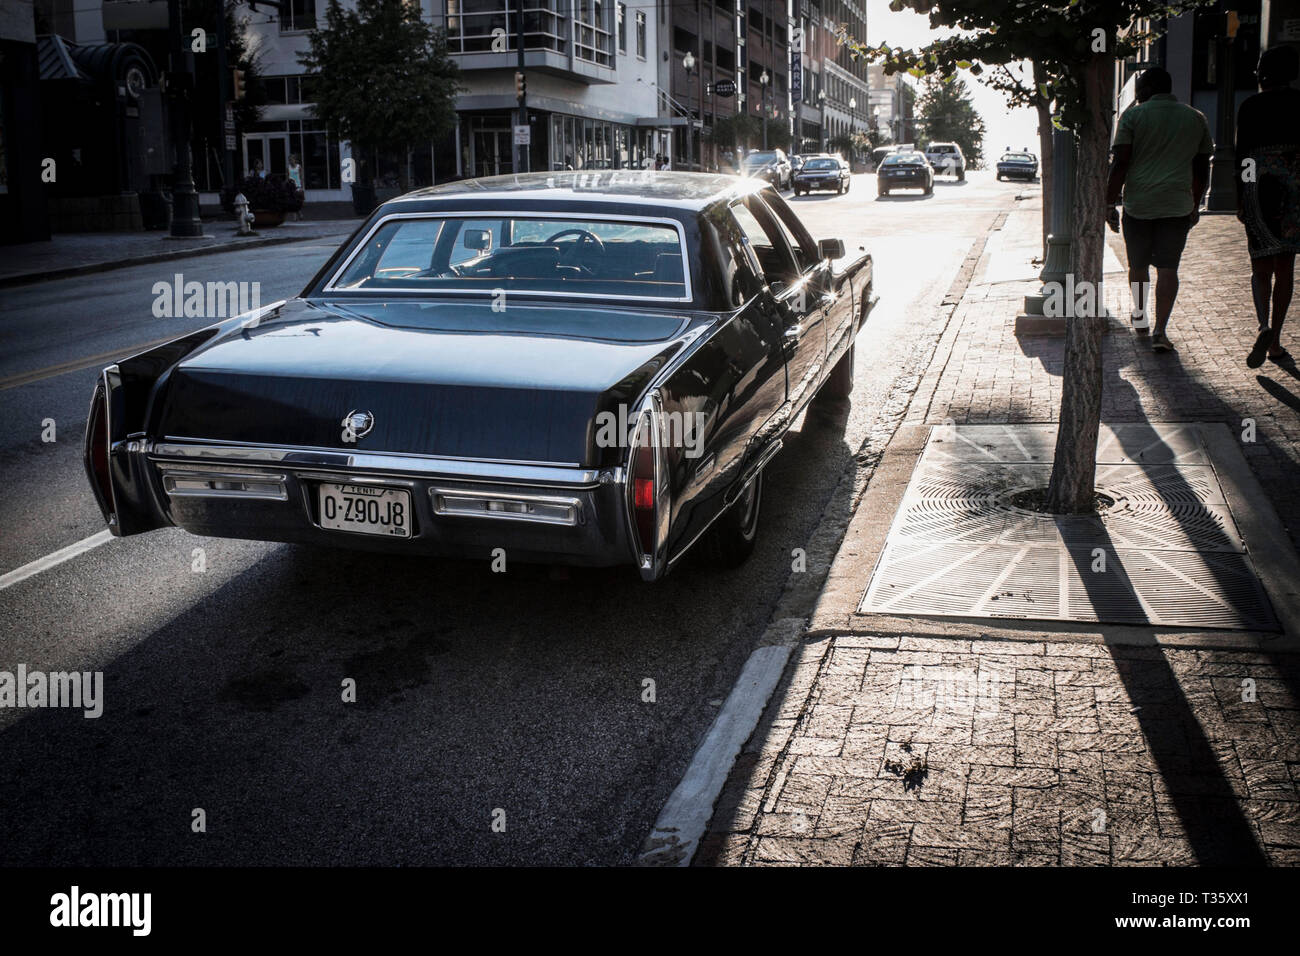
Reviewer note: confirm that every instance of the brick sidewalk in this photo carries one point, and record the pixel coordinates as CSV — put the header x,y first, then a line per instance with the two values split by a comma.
x,y
883,750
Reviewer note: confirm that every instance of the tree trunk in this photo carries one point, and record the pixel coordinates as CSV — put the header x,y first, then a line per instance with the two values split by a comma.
x,y
1044,110
1074,466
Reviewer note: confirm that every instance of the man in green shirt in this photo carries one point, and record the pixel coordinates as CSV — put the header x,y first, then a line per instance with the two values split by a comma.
x,y
1161,162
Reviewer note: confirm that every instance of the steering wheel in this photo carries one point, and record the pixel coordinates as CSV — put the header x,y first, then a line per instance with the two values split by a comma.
x,y
586,240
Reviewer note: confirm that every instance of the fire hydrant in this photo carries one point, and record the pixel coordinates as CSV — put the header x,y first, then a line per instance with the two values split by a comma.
x,y
243,215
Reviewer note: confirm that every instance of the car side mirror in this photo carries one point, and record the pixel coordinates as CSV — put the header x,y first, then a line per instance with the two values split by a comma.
x,y
480,240
830,248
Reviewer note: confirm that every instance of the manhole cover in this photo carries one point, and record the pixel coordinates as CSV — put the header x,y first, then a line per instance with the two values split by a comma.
x,y
1165,551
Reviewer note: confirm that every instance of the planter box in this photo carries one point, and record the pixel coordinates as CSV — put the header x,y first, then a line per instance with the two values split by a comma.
x,y
265,218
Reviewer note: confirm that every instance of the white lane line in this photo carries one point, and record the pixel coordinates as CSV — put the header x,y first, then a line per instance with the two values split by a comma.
x,y
55,558
685,816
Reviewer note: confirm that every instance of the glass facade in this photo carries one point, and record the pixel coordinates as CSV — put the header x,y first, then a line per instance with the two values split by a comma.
x,y
547,26
579,143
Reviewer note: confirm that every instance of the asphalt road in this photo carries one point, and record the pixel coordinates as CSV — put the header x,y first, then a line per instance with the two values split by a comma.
x,y
481,697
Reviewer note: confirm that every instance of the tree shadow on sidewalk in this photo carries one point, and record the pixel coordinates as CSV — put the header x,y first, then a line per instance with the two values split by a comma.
x,y
1217,829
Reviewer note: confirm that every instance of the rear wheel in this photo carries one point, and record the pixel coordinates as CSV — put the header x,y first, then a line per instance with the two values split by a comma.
x,y
731,539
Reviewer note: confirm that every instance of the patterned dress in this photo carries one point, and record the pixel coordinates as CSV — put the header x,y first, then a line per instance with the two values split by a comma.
x,y
1268,156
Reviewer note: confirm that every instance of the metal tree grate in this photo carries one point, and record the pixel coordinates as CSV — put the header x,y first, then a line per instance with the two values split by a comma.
x,y
1166,552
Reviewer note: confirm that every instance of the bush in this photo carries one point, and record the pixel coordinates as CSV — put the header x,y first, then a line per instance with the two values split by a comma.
x,y
272,194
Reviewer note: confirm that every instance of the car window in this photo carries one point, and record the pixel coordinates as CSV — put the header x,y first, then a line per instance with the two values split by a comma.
x,y
800,240
765,239
522,253
821,164
740,266
904,159
1017,158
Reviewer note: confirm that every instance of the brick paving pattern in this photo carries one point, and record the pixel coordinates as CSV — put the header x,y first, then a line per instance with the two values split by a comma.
x,y
881,750
922,751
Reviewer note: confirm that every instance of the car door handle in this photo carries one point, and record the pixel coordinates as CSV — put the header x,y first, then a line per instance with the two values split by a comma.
x,y
793,333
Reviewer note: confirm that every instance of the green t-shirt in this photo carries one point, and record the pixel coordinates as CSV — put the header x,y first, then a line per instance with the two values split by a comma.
x,y
1165,136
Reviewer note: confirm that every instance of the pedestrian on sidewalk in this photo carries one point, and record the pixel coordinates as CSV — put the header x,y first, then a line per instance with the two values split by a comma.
x,y
295,177
1161,163
1268,202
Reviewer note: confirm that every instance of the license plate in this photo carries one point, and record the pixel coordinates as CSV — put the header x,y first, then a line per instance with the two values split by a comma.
x,y
366,509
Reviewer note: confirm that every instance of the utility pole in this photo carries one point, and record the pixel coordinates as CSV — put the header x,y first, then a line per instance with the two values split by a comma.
x,y
180,85
224,100
1223,172
522,163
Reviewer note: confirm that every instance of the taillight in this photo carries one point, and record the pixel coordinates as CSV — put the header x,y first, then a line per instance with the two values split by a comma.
x,y
643,485
97,451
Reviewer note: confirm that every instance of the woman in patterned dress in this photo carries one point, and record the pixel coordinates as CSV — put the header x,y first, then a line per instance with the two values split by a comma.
x,y
1268,150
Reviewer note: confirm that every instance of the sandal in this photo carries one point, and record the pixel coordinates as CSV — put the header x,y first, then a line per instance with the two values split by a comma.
x,y
1260,349
1282,358
1160,343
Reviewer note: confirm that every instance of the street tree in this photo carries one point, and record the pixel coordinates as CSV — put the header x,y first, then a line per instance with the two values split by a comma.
x,y
381,77
948,115
1077,44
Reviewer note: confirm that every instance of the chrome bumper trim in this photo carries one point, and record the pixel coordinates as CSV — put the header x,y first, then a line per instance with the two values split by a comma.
x,y
396,464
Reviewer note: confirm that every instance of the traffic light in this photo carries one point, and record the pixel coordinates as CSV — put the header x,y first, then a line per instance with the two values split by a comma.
x,y
239,83
521,86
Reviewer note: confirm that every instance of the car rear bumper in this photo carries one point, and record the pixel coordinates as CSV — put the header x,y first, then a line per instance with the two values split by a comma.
x,y
459,509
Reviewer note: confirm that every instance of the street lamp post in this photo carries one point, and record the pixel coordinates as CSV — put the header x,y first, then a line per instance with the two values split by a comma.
x,y
763,80
688,61
180,85
821,105
853,119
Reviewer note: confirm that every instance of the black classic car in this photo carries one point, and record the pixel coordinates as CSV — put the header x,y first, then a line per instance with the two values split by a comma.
x,y
582,368
1021,165
823,172
905,170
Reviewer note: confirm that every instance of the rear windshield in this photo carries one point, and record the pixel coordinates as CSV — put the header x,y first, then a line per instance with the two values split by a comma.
x,y
521,254
904,159
1017,158
942,148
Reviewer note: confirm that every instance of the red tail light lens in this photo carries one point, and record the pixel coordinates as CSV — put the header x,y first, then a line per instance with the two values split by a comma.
x,y
643,486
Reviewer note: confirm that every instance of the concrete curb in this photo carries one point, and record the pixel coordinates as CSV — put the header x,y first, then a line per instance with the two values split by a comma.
x,y
28,278
685,816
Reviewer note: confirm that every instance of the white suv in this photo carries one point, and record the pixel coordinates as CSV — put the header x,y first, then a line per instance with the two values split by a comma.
x,y
947,160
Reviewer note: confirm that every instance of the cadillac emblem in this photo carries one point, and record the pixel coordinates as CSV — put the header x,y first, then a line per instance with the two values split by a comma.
x,y
357,424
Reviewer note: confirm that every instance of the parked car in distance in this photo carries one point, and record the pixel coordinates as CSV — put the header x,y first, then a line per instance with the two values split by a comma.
x,y
1018,165
823,172
947,160
771,165
578,368
905,171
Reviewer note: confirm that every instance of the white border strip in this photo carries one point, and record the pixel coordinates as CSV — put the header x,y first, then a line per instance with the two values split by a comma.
x,y
55,558
685,816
